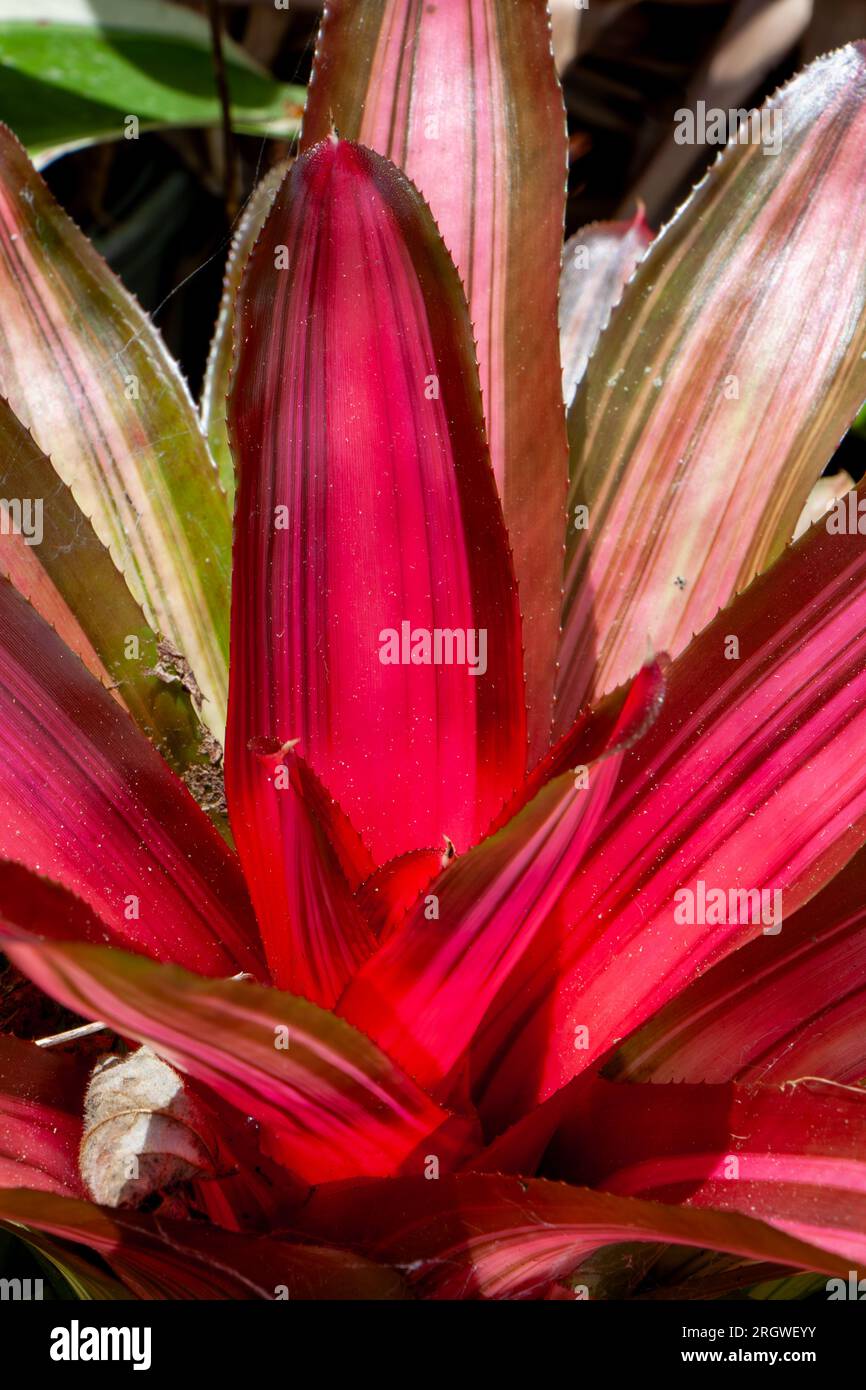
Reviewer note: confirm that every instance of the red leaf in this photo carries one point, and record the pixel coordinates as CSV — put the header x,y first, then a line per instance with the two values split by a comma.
x,y
463,96
622,716
752,780
427,992
780,1008
365,502
41,1103
393,890
159,1258
87,801
34,906
330,1104
794,1156
315,934
481,1235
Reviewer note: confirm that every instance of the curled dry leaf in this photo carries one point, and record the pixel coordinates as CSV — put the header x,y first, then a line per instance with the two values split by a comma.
x,y
143,1132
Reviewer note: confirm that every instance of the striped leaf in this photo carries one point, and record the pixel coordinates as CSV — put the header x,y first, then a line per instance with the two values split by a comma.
x,y
793,1156
71,580
751,780
730,371
597,263
331,1105
463,96
219,364
161,1258
366,512
83,368
811,984
87,802
426,995
486,1236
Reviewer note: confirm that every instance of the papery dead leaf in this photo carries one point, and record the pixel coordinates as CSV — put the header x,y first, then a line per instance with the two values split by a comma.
x,y
143,1131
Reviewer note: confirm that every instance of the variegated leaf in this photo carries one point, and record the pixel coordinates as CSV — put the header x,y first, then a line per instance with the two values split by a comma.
x,y
86,371
722,386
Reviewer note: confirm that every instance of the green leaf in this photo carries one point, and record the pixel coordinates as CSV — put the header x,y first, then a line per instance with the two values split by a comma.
x,y
219,363
83,1278
71,580
72,74
85,370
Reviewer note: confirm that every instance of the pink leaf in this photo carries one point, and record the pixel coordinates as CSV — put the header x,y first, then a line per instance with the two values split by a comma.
x,y
41,1102
729,372
85,800
482,1235
462,95
558,938
791,1155
779,1008
330,1103
366,509
751,782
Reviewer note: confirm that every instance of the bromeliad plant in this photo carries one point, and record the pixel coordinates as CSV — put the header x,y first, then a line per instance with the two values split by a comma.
x,y
510,1000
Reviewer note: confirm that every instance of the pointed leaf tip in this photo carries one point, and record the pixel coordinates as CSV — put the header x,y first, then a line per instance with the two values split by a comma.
x,y
368,530
463,96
